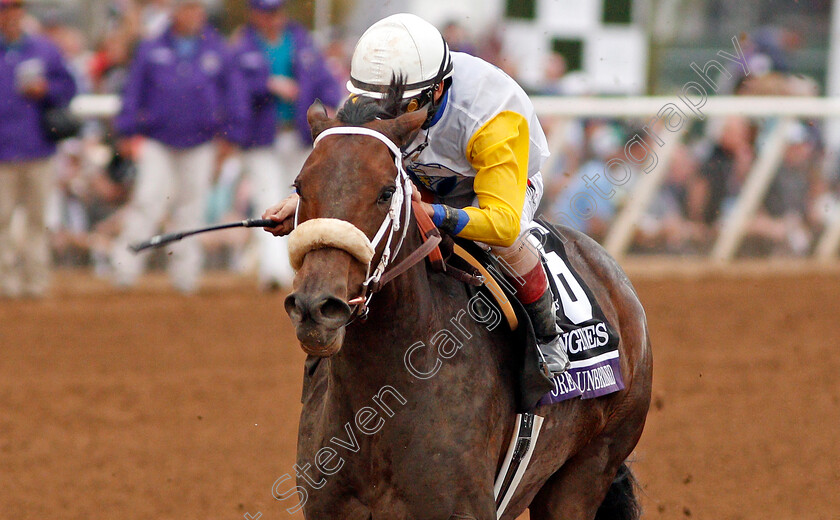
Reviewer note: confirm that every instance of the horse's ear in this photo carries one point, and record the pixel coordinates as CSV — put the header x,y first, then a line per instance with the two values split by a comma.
x,y
405,126
317,117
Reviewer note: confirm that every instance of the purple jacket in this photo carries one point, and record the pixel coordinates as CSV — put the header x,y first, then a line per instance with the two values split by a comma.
x,y
183,102
21,136
310,71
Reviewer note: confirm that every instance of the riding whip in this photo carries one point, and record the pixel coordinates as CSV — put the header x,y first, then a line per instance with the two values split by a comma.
x,y
168,238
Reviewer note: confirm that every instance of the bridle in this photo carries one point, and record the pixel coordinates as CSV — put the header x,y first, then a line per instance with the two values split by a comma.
x,y
391,225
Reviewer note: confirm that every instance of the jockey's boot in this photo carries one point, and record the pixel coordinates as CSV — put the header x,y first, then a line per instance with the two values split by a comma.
x,y
554,359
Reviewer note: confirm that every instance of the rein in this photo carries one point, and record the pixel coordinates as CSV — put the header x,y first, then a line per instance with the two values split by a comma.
x,y
355,241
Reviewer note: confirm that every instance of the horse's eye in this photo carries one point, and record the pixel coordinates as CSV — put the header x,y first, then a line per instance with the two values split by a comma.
x,y
386,194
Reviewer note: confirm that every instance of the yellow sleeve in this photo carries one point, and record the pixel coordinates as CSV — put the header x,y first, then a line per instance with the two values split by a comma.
x,y
499,153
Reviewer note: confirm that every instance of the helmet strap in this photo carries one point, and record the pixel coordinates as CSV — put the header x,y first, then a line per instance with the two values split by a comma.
x,y
428,96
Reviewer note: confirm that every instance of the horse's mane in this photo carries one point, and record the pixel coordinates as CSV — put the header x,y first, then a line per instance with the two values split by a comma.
x,y
358,110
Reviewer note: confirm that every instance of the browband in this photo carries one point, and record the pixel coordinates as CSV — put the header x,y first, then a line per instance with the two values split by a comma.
x,y
360,130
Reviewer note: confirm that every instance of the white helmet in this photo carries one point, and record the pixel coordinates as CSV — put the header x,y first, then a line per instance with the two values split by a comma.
x,y
399,44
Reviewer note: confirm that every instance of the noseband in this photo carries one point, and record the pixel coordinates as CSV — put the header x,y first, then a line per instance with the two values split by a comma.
x,y
329,232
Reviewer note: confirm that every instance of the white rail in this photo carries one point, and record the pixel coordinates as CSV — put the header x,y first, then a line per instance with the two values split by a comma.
x,y
769,106
620,235
763,106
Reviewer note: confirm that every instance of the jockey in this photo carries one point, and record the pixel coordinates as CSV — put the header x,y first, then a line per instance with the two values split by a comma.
x,y
479,153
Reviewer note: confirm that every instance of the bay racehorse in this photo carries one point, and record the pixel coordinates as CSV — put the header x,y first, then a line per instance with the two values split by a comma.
x,y
409,412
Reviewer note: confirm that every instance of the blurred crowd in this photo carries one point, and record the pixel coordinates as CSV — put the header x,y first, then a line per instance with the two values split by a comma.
x,y
704,178
148,48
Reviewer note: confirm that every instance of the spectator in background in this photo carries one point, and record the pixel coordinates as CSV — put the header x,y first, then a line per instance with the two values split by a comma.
x,y
768,51
783,219
554,71
93,186
775,44
667,225
337,55
587,201
182,93
33,79
726,168
71,42
565,134
491,50
284,73
67,207
109,65
154,17
459,41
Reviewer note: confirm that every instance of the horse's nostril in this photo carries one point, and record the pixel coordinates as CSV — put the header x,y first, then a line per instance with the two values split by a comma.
x,y
326,310
333,309
294,307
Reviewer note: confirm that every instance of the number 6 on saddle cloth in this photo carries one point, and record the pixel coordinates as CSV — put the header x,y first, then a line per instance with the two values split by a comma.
x,y
589,339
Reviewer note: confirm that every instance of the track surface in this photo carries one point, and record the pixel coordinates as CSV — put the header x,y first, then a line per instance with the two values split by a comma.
x,y
150,404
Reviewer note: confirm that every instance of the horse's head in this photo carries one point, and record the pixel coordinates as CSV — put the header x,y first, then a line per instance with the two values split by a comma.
x,y
347,187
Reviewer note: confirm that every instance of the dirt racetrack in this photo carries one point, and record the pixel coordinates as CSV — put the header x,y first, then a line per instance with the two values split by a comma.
x,y
153,405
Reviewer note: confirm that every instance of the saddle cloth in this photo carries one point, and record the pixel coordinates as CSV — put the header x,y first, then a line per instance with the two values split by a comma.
x,y
590,340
